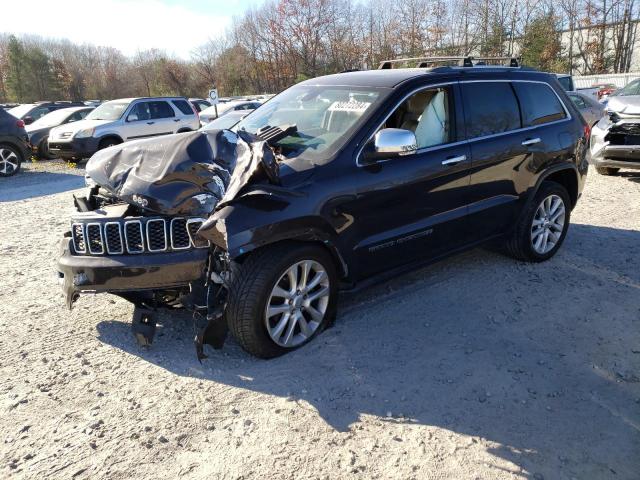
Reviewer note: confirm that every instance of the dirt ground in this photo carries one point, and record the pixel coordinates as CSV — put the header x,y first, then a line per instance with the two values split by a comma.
x,y
478,367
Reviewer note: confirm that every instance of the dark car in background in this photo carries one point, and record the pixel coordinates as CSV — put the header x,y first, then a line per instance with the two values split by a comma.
x,y
13,144
38,131
30,112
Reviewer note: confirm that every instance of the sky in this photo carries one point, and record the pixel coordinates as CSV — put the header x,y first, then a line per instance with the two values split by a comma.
x,y
177,26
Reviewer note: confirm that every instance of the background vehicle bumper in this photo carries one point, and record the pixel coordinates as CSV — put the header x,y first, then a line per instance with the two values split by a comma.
x,y
122,273
76,148
617,156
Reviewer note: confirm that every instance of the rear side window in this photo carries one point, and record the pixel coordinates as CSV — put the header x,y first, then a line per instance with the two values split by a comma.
x,y
489,108
161,110
539,103
183,106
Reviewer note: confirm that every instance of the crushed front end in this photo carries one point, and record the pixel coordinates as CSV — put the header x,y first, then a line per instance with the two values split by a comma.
x,y
615,140
135,231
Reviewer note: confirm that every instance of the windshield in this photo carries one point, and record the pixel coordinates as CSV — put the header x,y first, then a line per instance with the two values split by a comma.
x,y
21,110
325,117
108,111
632,88
52,119
226,121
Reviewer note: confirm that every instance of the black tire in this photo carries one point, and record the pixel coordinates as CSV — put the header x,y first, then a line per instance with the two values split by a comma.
x,y
108,142
10,160
43,149
520,244
251,286
607,170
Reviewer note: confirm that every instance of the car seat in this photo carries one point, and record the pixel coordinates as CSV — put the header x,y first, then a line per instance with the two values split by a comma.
x,y
432,124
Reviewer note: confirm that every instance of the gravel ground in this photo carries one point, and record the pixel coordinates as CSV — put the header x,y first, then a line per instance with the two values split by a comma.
x,y
477,367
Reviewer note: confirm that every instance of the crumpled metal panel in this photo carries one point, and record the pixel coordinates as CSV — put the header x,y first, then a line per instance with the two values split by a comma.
x,y
185,174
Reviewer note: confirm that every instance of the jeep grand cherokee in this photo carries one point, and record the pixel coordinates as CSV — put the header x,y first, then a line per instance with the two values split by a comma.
x,y
336,182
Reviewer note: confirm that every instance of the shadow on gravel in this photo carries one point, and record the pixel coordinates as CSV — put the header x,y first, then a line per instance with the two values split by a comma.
x,y
526,356
33,183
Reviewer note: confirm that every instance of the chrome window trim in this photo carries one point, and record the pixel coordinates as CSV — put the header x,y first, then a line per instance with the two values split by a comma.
x,y
84,236
115,252
189,222
186,225
126,237
468,140
101,238
164,227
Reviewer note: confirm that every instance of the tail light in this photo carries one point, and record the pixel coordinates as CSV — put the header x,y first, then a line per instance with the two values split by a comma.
x,y
587,133
20,124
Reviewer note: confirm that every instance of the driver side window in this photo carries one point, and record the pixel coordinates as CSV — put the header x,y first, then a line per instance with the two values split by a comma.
x,y
427,114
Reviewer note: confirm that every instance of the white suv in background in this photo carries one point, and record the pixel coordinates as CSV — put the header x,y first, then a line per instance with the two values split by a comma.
x,y
121,120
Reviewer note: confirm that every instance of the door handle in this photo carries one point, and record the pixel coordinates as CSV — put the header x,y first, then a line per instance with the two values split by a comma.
x,y
150,123
176,119
453,160
531,141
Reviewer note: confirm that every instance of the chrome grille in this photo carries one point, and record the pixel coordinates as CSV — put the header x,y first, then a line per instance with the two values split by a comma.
x,y
137,236
113,238
94,238
133,236
193,224
157,235
77,234
179,234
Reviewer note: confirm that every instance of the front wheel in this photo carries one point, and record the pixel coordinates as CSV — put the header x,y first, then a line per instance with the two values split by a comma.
x,y
43,150
281,297
542,225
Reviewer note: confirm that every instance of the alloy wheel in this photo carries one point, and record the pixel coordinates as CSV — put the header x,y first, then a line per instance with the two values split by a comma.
x,y
548,224
8,161
297,303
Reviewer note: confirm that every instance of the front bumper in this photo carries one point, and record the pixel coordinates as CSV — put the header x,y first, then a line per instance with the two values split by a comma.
x,y
74,148
126,273
604,154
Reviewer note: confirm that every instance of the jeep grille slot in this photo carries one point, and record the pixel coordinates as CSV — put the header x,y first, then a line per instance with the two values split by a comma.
x,y
94,238
77,233
193,224
113,237
156,235
179,234
133,236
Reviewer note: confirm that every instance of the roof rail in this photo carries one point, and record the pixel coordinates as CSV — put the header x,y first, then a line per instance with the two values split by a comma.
x,y
462,61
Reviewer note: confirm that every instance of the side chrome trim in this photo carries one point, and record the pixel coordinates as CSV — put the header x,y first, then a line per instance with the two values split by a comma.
x,y
106,238
164,229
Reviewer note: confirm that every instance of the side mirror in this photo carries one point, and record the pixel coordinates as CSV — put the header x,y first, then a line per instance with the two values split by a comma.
x,y
389,143
132,117
28,120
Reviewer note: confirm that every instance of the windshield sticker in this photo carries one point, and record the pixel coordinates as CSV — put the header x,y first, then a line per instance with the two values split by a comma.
x,y
351,106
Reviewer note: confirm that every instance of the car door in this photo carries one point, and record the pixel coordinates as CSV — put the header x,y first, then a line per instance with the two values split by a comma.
x,y
164,117
498,157
138,123
412,208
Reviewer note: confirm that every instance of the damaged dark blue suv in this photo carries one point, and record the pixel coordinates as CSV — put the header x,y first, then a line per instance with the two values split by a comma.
x,y
336,182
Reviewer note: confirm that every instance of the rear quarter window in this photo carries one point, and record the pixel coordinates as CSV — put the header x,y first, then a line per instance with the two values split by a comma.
x,y
539,103
489,108
183,106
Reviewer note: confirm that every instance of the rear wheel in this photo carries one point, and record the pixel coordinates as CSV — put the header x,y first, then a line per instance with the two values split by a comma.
x,y
543,224
281,297
10,160
607,170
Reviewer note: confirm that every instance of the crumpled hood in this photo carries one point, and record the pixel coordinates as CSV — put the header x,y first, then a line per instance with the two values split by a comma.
x,y
628,105
184,174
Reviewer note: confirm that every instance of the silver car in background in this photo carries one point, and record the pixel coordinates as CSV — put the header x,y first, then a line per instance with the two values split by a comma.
x,y
615,139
